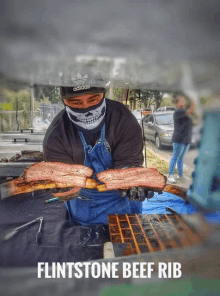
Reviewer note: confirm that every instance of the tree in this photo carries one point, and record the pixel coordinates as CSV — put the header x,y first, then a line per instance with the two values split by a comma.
x,y
138,98
50,92
118,94
15,109
158,98
150,97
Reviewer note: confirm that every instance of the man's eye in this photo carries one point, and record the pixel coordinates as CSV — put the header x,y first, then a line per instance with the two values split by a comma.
x,y
93,99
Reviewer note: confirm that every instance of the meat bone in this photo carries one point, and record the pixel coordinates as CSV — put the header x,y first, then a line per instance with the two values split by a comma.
x,y
11,188
21,185
15,187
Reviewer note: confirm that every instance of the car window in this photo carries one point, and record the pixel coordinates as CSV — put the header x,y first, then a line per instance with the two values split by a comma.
x,y
164,119
170,108
151,119
146,118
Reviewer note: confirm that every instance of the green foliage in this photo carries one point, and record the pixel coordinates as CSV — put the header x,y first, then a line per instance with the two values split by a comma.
x,y
45,100
205,101
52,93
143,98
156,162
15,101
118,94
150,97
167,101
6,106
107,93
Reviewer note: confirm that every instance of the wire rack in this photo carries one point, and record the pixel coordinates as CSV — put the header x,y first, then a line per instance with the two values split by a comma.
x,y
151,233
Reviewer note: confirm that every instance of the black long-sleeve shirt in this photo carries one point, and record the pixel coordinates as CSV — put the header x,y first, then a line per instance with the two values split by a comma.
x,y
122,132
182,127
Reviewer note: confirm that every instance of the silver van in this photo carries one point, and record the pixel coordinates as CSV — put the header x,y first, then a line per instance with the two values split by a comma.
x,y
159,127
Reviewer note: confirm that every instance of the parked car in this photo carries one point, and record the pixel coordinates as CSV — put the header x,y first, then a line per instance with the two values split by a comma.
x,y
159,127
140,113
166,108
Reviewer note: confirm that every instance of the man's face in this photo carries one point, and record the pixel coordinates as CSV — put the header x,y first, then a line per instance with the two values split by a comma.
x,y
84,101
181,103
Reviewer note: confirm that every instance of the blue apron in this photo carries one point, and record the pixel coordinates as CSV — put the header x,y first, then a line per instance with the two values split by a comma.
x,y
101,204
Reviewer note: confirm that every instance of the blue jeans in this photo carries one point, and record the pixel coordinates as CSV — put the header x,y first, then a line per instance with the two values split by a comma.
x,y
179,151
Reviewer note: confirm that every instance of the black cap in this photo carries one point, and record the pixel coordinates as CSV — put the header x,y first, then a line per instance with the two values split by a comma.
x,y
83,83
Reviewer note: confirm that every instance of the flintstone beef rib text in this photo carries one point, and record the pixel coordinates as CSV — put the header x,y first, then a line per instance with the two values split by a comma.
x,y
126,178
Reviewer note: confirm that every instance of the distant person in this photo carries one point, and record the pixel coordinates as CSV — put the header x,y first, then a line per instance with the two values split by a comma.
x,y
181,137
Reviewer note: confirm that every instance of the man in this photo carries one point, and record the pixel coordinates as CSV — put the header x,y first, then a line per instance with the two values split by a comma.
x,y
181,137
101,134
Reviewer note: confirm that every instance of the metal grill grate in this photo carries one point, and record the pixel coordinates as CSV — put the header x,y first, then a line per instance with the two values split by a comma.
x,y
150,233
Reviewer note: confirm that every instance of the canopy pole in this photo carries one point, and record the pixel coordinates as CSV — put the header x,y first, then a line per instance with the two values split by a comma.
x,y
32,105
127,96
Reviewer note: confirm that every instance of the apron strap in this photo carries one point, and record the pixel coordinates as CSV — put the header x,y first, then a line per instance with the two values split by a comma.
x,y
103,134
82,139
102,137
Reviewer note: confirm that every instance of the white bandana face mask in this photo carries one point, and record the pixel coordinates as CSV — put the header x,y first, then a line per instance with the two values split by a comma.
x,y
89,119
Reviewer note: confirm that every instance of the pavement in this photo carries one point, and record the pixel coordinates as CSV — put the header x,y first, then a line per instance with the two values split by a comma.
x,y
166,155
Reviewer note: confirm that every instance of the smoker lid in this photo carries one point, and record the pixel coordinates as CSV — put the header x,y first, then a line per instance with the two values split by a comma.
x,y
143,44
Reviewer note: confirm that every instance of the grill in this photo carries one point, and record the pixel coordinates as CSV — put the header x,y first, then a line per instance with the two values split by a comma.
x,y
151,233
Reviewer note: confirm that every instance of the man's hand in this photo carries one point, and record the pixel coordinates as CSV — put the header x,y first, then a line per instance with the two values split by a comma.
x,y
136,193
191,109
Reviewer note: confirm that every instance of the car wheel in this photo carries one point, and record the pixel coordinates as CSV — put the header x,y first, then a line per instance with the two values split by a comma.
x,y
158,142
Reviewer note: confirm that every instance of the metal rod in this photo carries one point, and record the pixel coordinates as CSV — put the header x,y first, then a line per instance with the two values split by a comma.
x,y
156,234
182,241
171,240
39,230
12,232
28,223
119,227
136,244
146,238
193,237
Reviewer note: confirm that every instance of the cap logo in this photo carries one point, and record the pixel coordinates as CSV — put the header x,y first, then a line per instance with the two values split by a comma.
x,y
79,79
81,87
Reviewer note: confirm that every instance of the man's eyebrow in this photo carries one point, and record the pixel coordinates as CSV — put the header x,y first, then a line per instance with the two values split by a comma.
x,y
94,96
73,99
78,99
